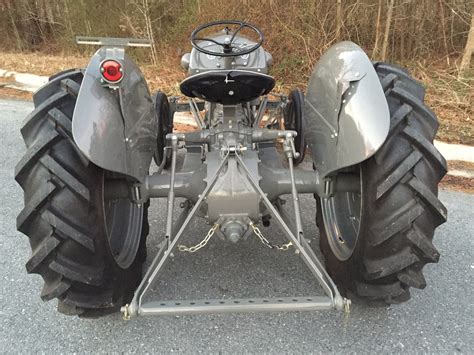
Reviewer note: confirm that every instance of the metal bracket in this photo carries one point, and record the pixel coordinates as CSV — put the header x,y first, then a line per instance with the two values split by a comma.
x,y
238,305
113,42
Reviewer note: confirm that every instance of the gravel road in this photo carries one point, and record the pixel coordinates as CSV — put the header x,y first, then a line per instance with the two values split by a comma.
x,y
438,319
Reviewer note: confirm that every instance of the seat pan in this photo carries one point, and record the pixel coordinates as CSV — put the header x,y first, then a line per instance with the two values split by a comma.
x,y
227,87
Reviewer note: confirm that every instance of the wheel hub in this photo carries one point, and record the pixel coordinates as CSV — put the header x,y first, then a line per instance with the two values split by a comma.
x,y
342,215
123,224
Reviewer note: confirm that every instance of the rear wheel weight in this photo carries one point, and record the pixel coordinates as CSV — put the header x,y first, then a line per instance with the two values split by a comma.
x,y
65,212
399,205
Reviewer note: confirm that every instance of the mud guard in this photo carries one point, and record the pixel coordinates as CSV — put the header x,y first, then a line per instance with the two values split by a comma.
x,y
115,128
346,114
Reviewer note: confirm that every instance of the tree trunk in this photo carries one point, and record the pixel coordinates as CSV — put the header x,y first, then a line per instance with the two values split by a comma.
x,y
149,30
15,30
67,19
466,57
387,29
338,20
443,27
377,31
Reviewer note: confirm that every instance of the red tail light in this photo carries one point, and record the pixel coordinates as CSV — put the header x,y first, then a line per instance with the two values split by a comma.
x,y
111,71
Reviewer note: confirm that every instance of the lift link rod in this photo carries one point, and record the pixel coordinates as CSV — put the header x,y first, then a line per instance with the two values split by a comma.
x,y
171,195
290,151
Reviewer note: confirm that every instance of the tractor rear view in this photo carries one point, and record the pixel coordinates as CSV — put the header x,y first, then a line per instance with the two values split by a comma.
x,y
94,133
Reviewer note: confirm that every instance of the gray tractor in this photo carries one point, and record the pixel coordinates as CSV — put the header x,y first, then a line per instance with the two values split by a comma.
x,y
94,132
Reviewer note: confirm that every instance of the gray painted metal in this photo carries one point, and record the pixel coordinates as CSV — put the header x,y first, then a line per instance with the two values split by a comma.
x,y
167,247
237,305
233,194
190,184
276,182
197,62
302,246
114,42
346,113
115,128
334,299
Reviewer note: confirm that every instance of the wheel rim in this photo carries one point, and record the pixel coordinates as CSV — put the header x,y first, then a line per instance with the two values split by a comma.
x,y
123,221
165,125
293,120
342,215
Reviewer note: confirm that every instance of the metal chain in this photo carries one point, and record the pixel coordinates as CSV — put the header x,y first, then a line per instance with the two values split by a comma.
x,y
258,233
202,243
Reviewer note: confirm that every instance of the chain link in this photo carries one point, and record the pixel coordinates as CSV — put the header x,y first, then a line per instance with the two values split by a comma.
x,y
256,230
202,243
258,233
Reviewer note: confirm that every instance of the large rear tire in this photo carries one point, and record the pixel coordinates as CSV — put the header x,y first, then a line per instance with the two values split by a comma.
x,y
88,250
377,240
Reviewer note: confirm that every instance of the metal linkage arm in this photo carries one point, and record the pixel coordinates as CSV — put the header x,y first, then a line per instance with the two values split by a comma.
x,y
290,152
303,248
196,114
134,308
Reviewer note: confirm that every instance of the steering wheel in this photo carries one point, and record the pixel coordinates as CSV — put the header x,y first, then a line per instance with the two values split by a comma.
x,y
228,48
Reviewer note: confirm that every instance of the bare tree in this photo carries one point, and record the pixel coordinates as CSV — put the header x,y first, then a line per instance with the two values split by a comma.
x,y
387,29
149,30
9,8
338,20
377,30
468,49
443,28
298,32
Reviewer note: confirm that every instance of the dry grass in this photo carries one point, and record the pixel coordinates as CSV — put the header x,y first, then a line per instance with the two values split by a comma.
x,y
458,183
40,63
8,93
452,99
460,165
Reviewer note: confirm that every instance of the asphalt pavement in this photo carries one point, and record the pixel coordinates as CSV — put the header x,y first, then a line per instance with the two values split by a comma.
x,y
437,319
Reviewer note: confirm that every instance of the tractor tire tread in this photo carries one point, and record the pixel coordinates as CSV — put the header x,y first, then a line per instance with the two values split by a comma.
x,y
68,249
402,206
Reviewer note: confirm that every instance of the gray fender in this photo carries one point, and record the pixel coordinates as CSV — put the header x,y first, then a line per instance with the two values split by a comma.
x,y
116,129
346,113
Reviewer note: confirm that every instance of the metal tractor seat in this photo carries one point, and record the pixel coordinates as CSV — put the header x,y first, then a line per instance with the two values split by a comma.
x,y
227,87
